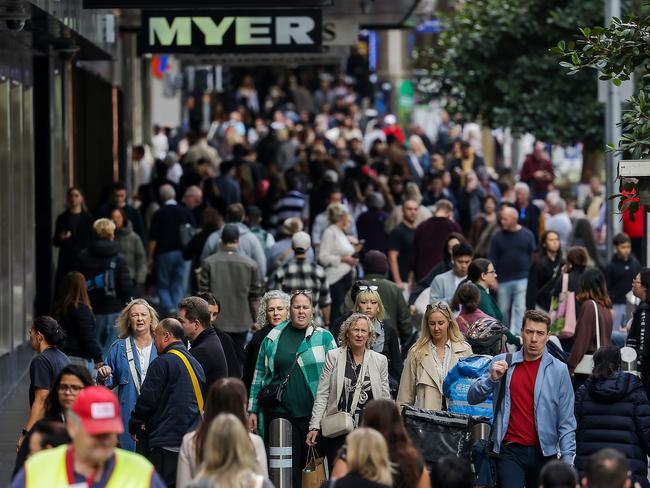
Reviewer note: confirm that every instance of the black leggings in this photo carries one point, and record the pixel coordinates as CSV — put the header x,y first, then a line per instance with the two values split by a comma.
x,y
338,291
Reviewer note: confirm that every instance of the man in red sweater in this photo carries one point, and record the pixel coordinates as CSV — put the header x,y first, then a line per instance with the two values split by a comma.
x,y
537,171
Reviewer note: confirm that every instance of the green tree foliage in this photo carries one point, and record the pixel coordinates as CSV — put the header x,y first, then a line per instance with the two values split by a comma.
x,y
618,52
493,62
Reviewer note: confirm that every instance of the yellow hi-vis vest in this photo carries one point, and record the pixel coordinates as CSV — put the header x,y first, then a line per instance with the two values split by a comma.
x,y
48,469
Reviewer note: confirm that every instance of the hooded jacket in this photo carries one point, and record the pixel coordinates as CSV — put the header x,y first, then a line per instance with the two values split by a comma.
x,y
133,251
96,260
614,412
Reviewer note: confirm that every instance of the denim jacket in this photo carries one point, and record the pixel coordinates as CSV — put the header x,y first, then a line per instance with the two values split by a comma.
x,y
122,380
554,398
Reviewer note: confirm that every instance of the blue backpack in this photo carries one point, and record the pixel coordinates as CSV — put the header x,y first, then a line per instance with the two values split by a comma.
x,y
458,381
104,283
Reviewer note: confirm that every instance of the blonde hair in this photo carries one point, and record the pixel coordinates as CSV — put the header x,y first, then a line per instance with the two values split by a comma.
x,y
335,212
349,322
104,229
229,455
123,321
366,294
368,455
454,334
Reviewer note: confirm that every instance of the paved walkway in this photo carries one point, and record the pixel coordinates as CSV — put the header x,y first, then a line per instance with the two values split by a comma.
x,y
13,415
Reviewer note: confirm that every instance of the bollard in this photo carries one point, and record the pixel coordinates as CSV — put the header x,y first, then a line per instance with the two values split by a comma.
x,y
280,453
629,360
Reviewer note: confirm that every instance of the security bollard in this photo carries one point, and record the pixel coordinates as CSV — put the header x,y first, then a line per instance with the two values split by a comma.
x,y
280,453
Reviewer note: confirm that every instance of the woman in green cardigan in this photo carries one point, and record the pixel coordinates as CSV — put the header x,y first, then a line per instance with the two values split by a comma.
x,y
481,272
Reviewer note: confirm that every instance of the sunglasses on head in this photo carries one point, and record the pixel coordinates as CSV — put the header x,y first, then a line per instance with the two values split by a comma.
x,y
301,292
368,287
439,305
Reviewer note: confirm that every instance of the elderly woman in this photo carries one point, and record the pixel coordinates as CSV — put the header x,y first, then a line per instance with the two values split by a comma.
x,y
353,375
273,310
288,367
438,349
129,358
368,302
337,255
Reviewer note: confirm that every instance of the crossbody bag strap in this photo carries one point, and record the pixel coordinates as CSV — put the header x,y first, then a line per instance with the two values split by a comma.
x,y
195,380
502,390
131,361
295,361
597,325
357,388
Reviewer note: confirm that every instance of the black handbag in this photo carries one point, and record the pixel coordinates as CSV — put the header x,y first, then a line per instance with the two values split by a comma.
x,y
270,396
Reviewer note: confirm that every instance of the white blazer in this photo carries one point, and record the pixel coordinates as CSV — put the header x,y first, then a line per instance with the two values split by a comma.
x,y
330,384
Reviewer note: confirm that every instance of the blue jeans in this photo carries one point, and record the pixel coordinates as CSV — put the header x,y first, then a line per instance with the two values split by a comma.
x,y
106,331
512,300
171,278
519,466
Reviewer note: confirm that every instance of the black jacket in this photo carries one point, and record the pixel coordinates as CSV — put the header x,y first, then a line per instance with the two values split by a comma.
x,y
208,351
167,405
353,480
619,275
69,249
134,216
96,260
251,352
232,360
80,336
614,413
542,278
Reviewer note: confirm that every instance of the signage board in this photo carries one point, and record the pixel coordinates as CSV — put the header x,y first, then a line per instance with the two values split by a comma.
x,y
212,4
226,32
340,31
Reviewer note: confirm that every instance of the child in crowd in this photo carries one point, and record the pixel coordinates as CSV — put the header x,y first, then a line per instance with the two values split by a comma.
x,y
620,272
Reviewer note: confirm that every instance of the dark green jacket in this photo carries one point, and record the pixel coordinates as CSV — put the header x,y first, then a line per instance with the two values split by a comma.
x,y
397,310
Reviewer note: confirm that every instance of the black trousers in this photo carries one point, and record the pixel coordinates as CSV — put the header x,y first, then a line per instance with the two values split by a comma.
x,y
239,338
299,448
519,466
165,462
338,291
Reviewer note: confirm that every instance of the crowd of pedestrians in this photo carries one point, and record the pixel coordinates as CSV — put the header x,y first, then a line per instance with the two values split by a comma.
x,y
324,266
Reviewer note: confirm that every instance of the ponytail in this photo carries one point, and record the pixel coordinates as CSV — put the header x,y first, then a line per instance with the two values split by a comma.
x,y
52,332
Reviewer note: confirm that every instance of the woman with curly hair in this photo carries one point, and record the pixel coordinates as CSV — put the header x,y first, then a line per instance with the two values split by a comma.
x,y
365,376
273,310
129,358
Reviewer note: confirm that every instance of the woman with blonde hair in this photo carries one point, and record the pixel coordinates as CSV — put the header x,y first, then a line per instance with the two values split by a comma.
x,y
440,346
353,375
229,457
368,302
129,358
368,461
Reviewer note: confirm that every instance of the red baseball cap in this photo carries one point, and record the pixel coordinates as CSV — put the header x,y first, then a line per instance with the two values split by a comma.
x,y
98,410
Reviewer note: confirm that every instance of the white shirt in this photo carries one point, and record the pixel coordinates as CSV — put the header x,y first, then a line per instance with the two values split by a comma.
x,y
144,355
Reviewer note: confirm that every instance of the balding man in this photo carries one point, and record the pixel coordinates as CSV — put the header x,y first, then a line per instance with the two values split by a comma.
x,y
193,200
511,249
166,249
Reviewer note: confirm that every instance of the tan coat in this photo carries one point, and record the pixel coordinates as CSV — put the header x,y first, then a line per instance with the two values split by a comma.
x,y
421,385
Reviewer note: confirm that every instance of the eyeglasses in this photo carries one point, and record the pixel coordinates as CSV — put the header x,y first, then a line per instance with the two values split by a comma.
x,y
70,388
491,272
368,287
439,305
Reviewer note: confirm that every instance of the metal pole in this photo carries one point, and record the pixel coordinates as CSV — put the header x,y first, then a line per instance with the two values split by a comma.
x,y
613,136
280,453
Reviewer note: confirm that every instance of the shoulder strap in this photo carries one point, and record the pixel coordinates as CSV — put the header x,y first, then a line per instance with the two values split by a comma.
x,y
132,368
357,388
565,282
195,380
295,361
502,389
597,325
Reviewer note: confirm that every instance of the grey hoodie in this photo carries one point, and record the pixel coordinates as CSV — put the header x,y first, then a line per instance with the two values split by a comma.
x,y
249,245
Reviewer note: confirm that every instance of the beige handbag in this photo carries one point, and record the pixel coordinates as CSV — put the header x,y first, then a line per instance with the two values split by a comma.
x,y
342,423
586,364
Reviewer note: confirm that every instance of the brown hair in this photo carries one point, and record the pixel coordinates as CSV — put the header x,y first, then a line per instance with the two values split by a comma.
x,y
469,296
537,316
593,286
227,395
73,292
384,417
577,256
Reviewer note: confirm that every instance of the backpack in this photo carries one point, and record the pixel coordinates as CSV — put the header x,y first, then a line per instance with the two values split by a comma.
x,y
459,380
104,282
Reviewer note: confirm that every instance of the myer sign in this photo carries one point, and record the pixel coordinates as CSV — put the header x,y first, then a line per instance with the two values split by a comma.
x,y
231,32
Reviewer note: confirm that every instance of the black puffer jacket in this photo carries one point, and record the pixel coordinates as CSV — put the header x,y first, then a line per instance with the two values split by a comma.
x,y
167,405
96,260
80,335
614,413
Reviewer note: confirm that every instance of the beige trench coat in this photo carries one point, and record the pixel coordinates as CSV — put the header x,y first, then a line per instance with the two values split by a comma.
x,y
421,385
